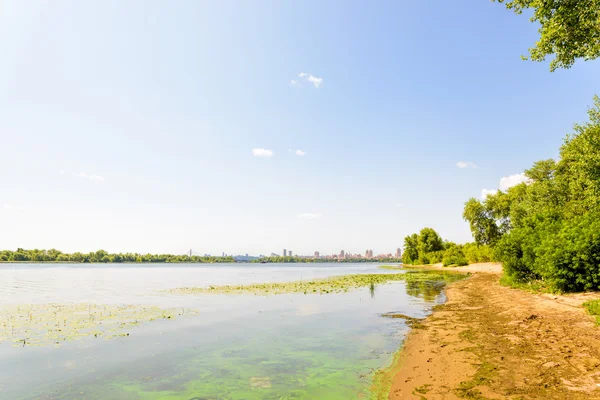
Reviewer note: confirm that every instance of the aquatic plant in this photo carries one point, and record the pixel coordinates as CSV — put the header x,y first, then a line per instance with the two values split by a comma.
x,y
334,284
53,324
391,267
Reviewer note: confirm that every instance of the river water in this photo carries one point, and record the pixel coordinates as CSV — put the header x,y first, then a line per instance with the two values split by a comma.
x,y
290,346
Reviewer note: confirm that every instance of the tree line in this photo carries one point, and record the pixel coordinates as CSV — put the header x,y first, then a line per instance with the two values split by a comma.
x,y
428,247
101,256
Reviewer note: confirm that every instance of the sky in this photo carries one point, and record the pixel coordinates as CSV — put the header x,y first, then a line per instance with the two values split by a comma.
x,y
250,127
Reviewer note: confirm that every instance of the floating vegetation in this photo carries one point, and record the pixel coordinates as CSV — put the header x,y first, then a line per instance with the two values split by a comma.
x,y
392,267
334,284
53,324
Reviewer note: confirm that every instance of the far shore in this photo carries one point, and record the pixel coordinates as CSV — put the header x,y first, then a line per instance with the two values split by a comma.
x,y
493,342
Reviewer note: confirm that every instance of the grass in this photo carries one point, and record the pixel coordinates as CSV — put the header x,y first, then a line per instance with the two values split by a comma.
x,y
536,286
336,284
593,308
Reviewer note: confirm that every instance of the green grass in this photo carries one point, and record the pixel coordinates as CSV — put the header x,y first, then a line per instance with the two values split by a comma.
x,y
536,286
593,308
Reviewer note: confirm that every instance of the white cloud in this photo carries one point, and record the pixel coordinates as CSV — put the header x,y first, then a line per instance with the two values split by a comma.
x,y
486,192
466,164
311,78
309,216
91,177
506,182
300,152
294,82
262,153
513,180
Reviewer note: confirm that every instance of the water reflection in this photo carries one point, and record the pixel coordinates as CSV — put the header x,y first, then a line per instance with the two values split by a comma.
x,y
430,290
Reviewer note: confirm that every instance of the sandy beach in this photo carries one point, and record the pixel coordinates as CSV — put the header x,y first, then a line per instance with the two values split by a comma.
x,y
493,342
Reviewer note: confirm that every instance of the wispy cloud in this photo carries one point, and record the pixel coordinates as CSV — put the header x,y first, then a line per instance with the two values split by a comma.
x,y
309,216
300,152
97,178
294,82
6,206
466,164
265,153
317,82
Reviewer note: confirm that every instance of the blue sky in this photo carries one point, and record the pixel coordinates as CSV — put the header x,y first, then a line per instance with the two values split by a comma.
x,y
130,126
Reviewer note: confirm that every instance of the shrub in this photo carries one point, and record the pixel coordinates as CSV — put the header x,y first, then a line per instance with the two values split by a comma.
x,y
454,256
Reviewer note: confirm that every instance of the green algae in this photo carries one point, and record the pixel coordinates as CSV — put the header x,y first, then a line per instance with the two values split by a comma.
x,y
252,369
336,284
53,324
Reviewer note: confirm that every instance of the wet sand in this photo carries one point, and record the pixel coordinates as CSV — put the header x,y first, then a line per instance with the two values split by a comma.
x,y
493,342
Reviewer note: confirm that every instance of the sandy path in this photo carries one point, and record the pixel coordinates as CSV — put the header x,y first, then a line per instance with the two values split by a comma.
x,y
493,342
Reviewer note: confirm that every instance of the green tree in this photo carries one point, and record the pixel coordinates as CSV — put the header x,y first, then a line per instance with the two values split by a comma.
x,y
569,29
411,252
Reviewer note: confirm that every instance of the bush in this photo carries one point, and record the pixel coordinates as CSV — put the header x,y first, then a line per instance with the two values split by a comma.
x,y
569,260
477,253
454,256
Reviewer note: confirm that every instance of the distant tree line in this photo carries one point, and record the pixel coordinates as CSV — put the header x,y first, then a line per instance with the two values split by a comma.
x,y
294,259
101,256
428,247
548,228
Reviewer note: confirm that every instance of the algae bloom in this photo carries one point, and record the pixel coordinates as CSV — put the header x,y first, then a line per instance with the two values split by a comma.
x,y
334,284
52,324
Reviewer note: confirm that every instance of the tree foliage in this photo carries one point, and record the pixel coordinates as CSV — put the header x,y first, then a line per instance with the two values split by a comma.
x,y
549,228
569,29
427,247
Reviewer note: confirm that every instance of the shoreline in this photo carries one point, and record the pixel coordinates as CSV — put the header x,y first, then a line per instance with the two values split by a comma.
x,y
489,341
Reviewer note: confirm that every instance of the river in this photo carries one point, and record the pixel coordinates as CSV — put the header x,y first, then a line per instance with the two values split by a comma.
x,y
291,346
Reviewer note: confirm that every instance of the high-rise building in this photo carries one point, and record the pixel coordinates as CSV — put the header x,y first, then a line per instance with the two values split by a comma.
x,y
342,254
367,254
284,252
290,253
317,255
398,253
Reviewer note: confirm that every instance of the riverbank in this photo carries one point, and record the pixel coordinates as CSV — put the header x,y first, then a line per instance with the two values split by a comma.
x,y
493,342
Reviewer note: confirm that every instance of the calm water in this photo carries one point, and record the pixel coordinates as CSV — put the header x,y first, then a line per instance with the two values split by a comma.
x,y
237,347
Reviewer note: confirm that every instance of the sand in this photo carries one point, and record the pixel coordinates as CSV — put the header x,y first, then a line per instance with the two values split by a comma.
x,y
493,342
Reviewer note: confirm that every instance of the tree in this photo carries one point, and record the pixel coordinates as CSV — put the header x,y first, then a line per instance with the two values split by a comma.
x,y
482,224
569,29
411,252
429,241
